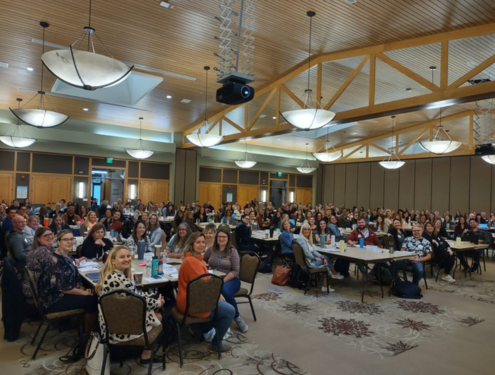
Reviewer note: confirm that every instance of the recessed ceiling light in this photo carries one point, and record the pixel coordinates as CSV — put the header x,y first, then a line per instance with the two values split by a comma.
x,y
165,4
85,109
4,64
169,96
274,118
351,1
29,69
185,101
262,116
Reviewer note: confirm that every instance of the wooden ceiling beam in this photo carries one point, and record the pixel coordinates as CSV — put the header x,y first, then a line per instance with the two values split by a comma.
x,y
233,124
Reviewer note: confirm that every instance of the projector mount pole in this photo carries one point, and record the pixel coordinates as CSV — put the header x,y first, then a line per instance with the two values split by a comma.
x,y
239,36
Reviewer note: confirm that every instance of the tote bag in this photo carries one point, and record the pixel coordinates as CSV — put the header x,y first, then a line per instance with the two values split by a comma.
x,y
94,355
281,276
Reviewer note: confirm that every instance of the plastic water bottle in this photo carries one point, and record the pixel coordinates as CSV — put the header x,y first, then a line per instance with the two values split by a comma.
x,y
391,249
361,242
322,240
148,268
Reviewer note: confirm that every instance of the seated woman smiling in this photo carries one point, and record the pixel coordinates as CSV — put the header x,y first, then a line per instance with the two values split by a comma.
x,y
116,275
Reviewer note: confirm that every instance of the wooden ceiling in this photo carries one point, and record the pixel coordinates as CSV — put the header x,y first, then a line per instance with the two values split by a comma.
x,y
181,40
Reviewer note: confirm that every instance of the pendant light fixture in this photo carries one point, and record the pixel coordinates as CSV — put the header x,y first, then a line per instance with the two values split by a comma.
x,y
87,70
205,139
393,161
18,138
329,153
40,117
306,167
247,162
312,116
490,159
141,151
441,143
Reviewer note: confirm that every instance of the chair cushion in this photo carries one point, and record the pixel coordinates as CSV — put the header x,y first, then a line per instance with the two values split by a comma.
x,y
242,292
152,336
62,314
178,316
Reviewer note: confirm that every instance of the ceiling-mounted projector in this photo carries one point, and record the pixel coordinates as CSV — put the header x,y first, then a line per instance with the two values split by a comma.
x,y
235,89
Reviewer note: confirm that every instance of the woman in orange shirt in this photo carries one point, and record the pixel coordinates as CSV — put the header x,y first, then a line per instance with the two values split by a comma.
x,y
192,267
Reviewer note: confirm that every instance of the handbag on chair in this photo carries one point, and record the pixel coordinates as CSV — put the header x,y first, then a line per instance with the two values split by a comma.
x,y
281,276
94,355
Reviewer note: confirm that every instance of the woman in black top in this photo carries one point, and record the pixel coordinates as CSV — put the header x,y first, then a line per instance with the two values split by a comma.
x,y
443,254
397,233
95,244
58,225
462,227
200,215
440,229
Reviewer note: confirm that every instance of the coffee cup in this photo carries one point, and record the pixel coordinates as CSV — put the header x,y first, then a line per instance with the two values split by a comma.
x,y
138,278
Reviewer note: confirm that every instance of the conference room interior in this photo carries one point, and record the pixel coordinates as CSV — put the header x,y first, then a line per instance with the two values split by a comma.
x,y
391,74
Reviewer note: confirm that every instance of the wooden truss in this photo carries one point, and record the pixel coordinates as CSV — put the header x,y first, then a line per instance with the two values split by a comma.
x,y
440,95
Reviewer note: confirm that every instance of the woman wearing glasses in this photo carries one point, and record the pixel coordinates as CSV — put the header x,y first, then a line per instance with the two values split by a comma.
x,y
56,275
222,256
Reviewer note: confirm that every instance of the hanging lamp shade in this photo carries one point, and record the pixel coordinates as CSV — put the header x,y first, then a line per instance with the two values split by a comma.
x,y
246,162
205,139
18,138
490,159
41,116
313,115
306,166
329,153
393,161
87,70
140,151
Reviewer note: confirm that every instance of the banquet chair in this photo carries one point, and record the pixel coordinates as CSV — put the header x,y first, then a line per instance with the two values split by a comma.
x,y
124,312
312,272
250,262
203,293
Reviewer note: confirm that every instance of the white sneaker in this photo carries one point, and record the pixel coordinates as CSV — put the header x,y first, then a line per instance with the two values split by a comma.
x,y
337,276
448,279
324,289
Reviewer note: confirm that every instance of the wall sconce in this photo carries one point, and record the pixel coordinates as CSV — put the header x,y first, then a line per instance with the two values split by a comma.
x,y
132,193
291,197
80,190
263,195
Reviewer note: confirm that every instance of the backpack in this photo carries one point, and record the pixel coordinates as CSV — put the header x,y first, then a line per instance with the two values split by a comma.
x,y
265,266
405,289
385,276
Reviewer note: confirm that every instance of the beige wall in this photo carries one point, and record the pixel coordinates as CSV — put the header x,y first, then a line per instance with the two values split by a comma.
x,y
450,183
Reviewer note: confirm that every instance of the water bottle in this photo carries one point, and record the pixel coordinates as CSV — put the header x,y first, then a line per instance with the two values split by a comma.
x,y
391,248
141,249
160,264
361,242
148,268
154,266
322,240
332,243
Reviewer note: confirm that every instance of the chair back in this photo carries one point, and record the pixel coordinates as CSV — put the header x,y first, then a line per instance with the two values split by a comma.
x,y
203,293
174,227
387,240
79,250
341,223
124,312
249,267
34,290
299,256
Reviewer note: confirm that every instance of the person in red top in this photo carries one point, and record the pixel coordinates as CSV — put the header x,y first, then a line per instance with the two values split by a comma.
x,y
362,231
193,266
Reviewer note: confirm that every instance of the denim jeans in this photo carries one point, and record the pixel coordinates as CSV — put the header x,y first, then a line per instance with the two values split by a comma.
x,y
418,269
225,314
229,289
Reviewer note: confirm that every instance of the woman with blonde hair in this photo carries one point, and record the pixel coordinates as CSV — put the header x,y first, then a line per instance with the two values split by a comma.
x,y
91,219
116,275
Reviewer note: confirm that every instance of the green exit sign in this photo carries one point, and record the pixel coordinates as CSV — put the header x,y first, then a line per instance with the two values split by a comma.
x,y
109,160
279,174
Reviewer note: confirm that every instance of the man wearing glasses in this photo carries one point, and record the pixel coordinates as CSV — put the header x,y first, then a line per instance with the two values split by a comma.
x,y
421,247
17,242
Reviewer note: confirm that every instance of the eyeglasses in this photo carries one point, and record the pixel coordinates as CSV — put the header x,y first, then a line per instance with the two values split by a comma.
x,y
222,237
68,239
48,235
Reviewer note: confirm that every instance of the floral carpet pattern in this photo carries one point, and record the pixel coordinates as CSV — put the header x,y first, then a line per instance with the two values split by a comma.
x,y
474,287
383,327
245,358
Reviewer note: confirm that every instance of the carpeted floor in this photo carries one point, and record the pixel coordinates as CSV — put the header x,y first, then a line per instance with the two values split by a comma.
x,y
450,330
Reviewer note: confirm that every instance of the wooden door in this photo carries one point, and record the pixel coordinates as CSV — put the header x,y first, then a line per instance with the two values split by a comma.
x,y
41,192
161,191
304,195
153,190
61,188
7,187
245,193
210,193
146,190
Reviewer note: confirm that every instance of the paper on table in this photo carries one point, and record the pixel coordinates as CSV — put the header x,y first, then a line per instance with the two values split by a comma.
x,y
88,263
161,279
89,269
406,252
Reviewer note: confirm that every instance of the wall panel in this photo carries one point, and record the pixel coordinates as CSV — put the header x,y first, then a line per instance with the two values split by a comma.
x,y
363,185
406,185
351,182
376,185
391,188
459,184
328,184
422,184
339,183
480,185
440,186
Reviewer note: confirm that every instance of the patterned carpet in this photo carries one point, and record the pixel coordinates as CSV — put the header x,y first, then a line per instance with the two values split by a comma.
x,y
246,357
383,327
475,287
